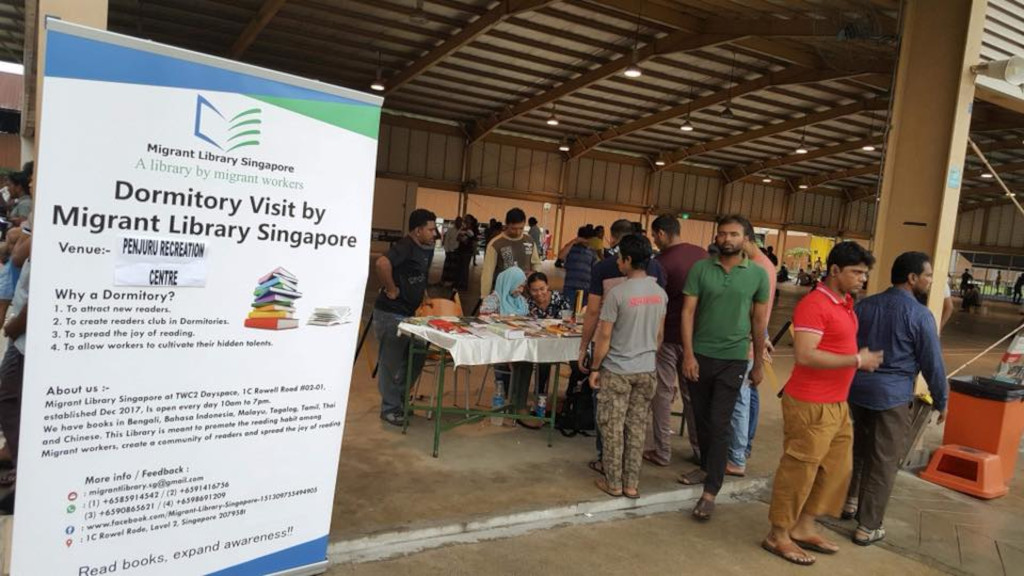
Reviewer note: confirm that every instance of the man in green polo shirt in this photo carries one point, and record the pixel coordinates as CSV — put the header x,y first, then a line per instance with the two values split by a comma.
x,y
723,310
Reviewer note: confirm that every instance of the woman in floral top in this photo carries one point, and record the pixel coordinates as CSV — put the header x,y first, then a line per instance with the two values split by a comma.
x,y
544,303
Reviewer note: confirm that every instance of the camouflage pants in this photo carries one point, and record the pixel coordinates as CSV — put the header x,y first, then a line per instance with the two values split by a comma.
x,y
623,414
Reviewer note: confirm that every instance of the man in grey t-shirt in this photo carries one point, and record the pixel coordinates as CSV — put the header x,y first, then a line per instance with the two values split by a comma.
x,y
623,368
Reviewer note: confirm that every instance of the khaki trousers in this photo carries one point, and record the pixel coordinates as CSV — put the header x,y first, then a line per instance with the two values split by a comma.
x,y
815,469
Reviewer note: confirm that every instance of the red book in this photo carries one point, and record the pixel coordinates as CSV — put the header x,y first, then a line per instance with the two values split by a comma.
x,y
446,326
271,323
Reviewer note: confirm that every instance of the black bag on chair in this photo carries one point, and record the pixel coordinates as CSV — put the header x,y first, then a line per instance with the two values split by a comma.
x,y
577,412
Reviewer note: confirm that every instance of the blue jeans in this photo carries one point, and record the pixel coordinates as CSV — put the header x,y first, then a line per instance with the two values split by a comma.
x,y
742,423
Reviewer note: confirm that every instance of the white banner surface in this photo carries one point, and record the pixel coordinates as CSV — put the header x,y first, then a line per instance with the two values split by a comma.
x,y
180,415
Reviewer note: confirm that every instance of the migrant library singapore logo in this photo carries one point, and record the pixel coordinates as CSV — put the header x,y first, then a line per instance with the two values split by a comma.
x,y
240,131
219,134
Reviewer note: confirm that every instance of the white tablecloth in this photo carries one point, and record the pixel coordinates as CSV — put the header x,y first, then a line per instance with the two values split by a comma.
x,y
472,350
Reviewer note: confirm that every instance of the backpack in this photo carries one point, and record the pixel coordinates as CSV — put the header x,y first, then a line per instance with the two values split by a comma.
x,y
576,415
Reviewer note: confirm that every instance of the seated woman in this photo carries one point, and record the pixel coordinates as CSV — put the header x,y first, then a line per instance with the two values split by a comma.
x,y
507,300
544,303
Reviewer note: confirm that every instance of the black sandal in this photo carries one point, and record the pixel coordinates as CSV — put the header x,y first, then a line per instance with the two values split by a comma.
x,y
704,509
692,478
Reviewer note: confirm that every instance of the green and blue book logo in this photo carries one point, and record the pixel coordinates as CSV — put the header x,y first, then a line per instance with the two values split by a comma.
x,y
227,133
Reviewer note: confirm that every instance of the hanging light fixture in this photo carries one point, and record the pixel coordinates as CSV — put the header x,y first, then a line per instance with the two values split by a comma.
x,y
633,70
869,147
687,126
767,179
659,162
553,117
986,175
802,148
803,186
727,112
378,84
563,146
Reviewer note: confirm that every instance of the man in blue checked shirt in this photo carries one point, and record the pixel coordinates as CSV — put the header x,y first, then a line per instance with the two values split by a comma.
x,y
897,323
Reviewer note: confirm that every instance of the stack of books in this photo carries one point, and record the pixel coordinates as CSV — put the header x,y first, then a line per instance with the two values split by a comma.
x,y
273,306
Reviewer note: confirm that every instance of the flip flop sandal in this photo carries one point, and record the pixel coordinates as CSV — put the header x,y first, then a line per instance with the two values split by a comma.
x,y
704,509
791,556
602,485
650,457
693,478
634,496
596,466
873,536
737,472
815,546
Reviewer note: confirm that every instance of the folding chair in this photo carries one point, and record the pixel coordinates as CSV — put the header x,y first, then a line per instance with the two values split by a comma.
x,y
441,307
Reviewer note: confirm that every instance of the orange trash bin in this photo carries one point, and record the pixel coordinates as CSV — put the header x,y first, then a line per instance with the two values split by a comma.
x,y
987,415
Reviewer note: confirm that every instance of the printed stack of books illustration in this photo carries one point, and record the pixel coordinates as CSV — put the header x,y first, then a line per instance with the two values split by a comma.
x,y
273,307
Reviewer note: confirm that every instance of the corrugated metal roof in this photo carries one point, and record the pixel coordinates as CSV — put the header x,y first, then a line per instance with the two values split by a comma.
x,y
536,52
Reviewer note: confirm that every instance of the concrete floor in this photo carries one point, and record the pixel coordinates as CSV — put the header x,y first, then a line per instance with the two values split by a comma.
x,y
954,532
389,483
669,543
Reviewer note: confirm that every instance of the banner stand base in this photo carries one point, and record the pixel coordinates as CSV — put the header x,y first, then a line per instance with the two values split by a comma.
x,y
307,570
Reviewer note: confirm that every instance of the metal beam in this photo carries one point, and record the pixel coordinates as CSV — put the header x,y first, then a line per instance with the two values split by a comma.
x,y
807,120
259,21
1015,143
1000,168
654,12
740,172
471,31
779,50
797,27
747,27
791,75
824,178
675,42
862,193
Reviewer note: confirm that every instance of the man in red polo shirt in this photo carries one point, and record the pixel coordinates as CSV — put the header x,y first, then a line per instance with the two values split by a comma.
x,y
817,461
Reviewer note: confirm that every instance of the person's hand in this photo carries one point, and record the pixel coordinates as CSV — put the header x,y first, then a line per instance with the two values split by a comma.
x,y
691,370
942,416
870,361
756,376
580,362
12,331
768,351
595,380
392,295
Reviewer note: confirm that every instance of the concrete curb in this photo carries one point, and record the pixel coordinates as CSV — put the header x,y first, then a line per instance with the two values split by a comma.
x,y
401,543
